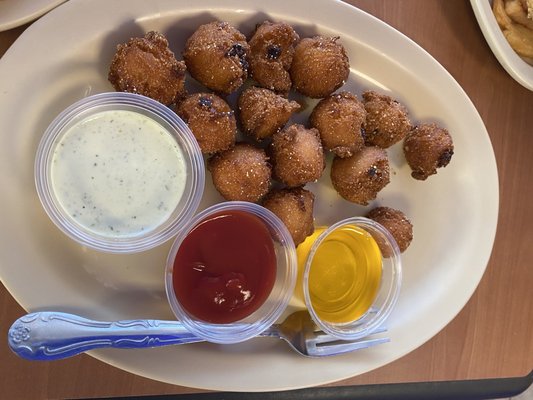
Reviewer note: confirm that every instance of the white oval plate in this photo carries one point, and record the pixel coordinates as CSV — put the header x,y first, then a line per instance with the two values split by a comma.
x,y
14,13
520,71
65,56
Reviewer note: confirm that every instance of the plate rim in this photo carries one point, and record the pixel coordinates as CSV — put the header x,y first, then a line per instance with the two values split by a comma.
x,y
41,9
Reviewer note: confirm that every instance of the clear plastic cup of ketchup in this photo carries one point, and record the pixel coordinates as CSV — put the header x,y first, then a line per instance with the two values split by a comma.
x,y
231,272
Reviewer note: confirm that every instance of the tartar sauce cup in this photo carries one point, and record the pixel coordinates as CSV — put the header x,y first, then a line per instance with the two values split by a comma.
x,y
209,259
372,304
119,172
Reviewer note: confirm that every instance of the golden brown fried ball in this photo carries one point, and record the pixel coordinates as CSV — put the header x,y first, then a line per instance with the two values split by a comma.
x,y
295,209
210,119
262,112
319,66
271,52
396,223
241,173
147,66
216,55
387,121
297,155
339,119
360,177
426,148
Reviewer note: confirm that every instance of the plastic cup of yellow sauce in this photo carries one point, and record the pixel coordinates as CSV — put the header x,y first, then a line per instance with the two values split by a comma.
x,y
348,285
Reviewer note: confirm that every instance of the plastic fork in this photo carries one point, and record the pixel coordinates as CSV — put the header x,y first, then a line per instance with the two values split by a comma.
x,y
301,333
56,335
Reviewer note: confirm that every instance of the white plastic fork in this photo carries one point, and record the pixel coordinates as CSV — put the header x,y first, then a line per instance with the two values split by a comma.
x,y
56,335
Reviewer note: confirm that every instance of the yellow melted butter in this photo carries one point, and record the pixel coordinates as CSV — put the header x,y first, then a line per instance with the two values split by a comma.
x,y
345,274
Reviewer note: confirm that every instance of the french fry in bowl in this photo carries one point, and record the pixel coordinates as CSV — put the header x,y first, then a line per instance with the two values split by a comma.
x,y
513,17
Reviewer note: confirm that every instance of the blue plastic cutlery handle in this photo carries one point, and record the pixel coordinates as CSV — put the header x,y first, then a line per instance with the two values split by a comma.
x,y
56,335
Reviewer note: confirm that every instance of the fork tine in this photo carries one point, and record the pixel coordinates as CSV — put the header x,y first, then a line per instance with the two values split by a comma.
x,y
344,347
379,329
322,337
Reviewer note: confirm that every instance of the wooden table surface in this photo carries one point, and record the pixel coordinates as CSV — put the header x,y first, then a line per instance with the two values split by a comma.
x,y
491,337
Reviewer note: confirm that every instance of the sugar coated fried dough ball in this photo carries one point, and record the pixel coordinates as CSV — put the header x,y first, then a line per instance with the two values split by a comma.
x,y
387,121
339,119
360,177
262,112
210,119
147,66
217,56
427,147
295,208
241,173
297,155
319,66
271,52
396,223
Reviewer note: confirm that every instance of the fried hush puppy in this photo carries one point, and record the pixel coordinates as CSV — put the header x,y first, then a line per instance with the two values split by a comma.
x,y
262,112
271,52
387,121
297,155
360,177
339,119
216,55
426,148
396,223
147,66
210,119
319,66
241,173
294,206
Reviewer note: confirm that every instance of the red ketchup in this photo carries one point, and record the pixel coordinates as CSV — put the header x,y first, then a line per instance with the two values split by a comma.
x,y
225,268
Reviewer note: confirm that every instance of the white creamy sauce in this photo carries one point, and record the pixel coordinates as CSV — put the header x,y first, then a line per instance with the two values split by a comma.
x,y
118,173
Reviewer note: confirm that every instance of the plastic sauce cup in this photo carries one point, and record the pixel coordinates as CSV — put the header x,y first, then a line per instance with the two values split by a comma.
x,y
214,285
349,287
119,172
